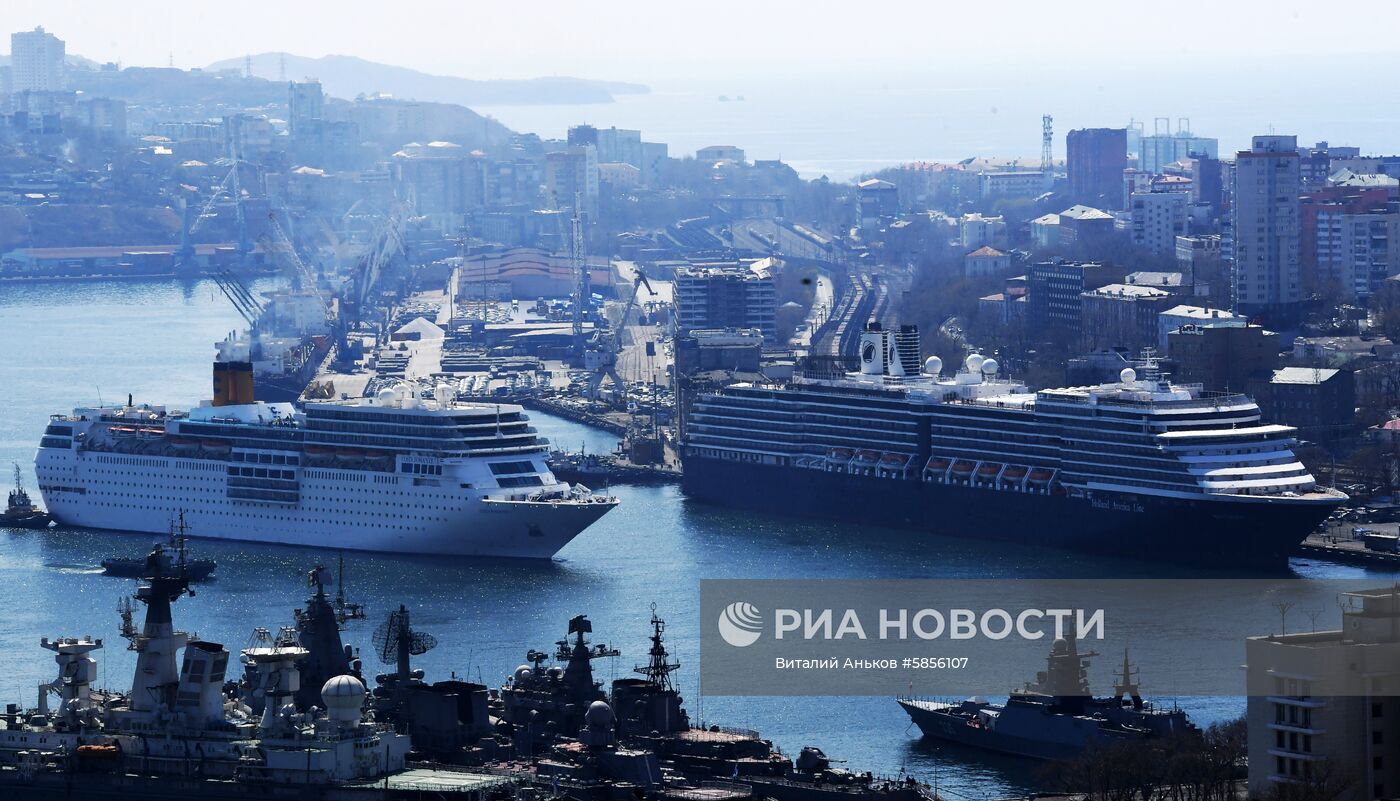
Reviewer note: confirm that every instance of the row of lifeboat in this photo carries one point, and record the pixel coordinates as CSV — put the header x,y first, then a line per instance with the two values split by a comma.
x,y
347,455
867,461
941,468
189,444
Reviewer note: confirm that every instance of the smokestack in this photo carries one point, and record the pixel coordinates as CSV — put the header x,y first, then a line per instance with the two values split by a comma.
x,y
233,383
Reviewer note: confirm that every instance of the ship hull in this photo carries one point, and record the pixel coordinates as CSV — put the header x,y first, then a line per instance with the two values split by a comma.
x,y
1261,531
341,509
955,729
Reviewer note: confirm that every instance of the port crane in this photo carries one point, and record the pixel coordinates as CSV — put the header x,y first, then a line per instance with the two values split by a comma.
x,y
602,361
230,187
387,242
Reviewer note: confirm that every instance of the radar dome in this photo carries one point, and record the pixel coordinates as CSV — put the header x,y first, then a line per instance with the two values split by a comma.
x,y
990,367
599,714
386,395
1128,375
343,697
443,394
522,673
974,362
933,365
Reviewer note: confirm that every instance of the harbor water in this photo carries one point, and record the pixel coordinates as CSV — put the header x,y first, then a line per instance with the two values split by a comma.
x,y
73,343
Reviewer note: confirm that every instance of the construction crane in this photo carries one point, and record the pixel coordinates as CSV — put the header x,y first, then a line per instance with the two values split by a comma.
x,y
602,361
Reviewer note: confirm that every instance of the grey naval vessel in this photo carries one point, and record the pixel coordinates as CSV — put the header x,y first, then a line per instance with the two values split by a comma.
x,y
300,721
1054,718
1139,466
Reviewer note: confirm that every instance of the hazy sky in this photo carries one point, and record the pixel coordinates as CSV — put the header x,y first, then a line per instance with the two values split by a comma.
x,y
647,40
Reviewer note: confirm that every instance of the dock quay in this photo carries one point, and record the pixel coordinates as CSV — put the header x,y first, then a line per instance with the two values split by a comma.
x,y
572,412
1344,543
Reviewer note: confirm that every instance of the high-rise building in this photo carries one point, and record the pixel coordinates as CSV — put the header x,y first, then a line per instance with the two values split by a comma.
x,y
1095,159
444,181
1323,711
572,173
1055,295
36,62
305,103
1348,240
1157,151
1265,278
1157,218
655,157
725,297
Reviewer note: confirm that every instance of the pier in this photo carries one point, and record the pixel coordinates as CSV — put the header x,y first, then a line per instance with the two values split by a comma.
x,y
1346,543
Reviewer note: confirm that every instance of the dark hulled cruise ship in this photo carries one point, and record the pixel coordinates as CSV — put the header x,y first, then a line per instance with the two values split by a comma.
x,y
1140,466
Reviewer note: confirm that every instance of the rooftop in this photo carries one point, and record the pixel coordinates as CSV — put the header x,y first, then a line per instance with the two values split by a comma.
x,y
1204,314
1151,278
1080,212
1127,291
986,251
1303,375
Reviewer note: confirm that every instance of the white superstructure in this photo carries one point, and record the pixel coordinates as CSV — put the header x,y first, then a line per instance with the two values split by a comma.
x,y
395,473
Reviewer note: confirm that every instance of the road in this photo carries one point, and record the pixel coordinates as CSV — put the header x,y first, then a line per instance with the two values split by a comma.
x,y
633,363
821,307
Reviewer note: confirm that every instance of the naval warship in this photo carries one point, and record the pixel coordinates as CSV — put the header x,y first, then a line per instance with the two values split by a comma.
x,y
637,741
182,731
1054,718
301,722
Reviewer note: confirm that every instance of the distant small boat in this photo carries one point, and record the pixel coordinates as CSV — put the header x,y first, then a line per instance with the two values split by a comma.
x,y
21,511
173,559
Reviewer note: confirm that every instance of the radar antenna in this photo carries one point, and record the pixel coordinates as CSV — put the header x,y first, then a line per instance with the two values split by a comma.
x,y
395,641
658,670
128,616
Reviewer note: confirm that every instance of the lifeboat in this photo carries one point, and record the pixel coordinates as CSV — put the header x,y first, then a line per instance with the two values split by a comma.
x,y
867,456
1040,475
894,460
988,470
962,468
98,752
216,445
350,454
839,454
1014,473
318,450
937,464
183,443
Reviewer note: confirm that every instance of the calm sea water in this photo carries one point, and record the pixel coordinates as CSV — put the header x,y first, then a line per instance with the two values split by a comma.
x,y
63,343
842,126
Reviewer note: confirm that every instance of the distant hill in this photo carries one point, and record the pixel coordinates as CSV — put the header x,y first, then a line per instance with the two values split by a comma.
x,y
348,77
157,87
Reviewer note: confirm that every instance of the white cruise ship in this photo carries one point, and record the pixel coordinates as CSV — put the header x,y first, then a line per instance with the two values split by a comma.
x,y
1139,466
394,473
